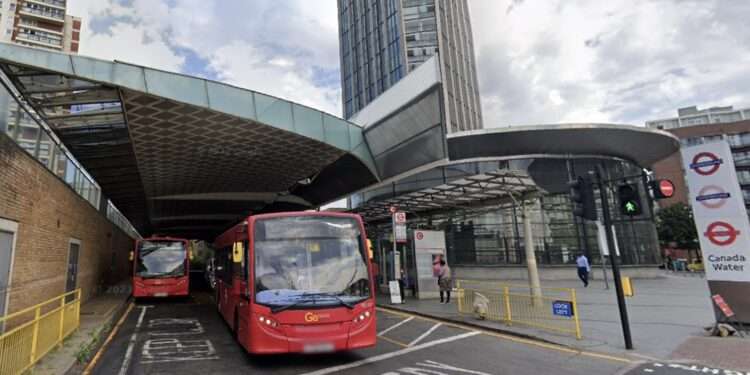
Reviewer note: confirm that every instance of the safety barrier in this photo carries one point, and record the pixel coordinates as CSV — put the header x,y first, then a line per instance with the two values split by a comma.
x,y
34,331
552,309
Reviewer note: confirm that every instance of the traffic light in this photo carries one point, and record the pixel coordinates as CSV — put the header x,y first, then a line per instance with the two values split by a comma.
x,y
582,197
630,200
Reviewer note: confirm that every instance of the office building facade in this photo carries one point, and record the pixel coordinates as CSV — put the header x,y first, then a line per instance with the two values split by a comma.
x,y
381,41
692,116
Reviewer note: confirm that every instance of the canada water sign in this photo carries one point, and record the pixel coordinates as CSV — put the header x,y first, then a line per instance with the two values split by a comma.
x,y
719,211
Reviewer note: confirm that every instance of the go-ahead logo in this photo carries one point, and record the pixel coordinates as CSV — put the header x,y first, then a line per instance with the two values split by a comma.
x,y
706,163
311,317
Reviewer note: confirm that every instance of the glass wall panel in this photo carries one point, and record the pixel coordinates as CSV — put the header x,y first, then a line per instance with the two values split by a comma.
x,y
494,234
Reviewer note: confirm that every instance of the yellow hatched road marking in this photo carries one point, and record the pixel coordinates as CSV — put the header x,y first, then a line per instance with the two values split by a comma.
x,y
392,341
521,340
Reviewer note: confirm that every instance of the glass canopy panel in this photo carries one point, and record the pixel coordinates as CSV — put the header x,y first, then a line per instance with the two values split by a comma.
x,y
52,83
86,120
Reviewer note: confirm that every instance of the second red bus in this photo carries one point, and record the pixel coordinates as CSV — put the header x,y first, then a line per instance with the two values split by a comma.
x,y
161,267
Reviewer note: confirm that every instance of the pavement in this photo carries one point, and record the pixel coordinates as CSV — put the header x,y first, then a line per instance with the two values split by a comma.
x,y
188,336
667,317
97,315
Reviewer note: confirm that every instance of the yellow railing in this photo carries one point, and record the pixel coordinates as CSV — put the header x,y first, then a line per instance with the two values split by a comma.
x,y
552,309
34,331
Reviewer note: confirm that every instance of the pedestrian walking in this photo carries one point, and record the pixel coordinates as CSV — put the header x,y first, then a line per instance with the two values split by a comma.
x,y
445,282
583,269
402,285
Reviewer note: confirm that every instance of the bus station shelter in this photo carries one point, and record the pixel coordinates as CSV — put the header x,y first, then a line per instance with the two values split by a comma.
x,y
181,155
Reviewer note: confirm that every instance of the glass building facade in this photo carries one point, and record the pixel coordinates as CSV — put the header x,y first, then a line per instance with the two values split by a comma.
x,y
383,40
493,235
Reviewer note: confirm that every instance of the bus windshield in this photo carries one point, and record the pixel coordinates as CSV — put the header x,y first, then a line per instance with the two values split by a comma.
x,y
161,259
309,261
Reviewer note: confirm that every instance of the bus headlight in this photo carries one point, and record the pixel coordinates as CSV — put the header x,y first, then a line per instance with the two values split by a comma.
x,y
268,321
361,317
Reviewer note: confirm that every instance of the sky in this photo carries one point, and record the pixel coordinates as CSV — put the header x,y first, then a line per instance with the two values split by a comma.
x,y
538,61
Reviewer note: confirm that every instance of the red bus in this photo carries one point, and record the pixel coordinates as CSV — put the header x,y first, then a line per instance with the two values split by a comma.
x,y
161,267
296,282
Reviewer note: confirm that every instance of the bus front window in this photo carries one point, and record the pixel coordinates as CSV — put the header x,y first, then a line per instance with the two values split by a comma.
x,y
161,259
310,260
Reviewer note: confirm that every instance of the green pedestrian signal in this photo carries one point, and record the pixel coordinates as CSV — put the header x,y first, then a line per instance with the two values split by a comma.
x,y
630,207
630,200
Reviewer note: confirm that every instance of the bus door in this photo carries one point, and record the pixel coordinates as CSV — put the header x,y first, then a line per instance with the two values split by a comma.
x,y
242,290
224,282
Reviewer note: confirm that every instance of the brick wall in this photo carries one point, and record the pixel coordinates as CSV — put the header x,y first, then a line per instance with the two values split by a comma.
x,y
49,214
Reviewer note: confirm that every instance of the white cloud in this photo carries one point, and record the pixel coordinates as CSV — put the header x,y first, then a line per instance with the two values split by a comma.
x,y
613,61
278,48
538,61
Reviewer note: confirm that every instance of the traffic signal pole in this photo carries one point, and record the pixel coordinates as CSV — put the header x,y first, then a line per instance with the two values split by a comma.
x,y
613,259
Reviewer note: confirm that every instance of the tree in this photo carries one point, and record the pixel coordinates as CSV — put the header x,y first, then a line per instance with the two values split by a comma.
x,y
675,225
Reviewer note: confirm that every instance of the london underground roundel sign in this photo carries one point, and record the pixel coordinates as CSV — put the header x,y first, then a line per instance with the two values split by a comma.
x,y
705,163
721,233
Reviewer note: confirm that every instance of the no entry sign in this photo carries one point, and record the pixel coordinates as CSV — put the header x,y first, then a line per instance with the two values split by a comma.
x,y
721,233
667,188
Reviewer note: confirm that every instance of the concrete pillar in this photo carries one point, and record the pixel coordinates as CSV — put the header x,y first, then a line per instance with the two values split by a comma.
x,y
528,240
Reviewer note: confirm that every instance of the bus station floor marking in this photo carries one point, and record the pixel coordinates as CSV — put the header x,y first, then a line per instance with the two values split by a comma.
x,y
390,355
383,332
392,341
531,342
112,334
133,339
418,339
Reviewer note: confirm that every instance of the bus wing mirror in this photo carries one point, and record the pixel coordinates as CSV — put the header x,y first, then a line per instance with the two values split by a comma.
x,y
237,251
131,256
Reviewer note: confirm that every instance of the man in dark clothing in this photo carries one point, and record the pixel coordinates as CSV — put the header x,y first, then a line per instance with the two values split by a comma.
x,y
583,269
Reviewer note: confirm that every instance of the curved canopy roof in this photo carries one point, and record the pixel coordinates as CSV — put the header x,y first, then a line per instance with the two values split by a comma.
x,y
636,144
182,155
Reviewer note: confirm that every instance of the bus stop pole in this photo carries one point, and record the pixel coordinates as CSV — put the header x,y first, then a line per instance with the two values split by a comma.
x,y
613,258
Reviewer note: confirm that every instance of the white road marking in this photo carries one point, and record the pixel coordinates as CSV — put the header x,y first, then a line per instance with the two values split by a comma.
x,y
395,326
185,327
443,366
133,339
176,350
432,329
648,370
390,355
